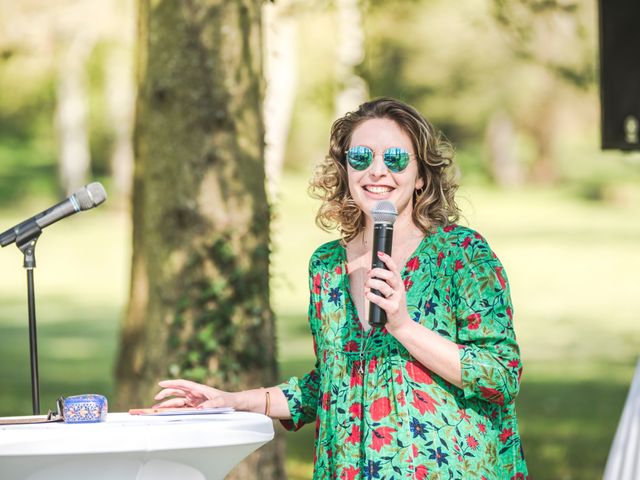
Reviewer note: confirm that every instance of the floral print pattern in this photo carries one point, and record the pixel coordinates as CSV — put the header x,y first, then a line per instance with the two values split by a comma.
x,y
380,414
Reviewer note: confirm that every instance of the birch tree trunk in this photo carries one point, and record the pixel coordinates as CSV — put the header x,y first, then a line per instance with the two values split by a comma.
x,y
74,158
352,89
199,302
280,40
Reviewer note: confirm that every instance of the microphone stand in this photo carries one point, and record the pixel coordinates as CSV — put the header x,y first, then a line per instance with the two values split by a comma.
x,y
26,242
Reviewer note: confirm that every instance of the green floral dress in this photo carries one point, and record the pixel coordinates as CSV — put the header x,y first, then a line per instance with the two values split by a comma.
x,y
378,412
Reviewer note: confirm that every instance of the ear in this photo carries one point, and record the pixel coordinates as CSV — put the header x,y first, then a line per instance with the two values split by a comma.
x,y
419,183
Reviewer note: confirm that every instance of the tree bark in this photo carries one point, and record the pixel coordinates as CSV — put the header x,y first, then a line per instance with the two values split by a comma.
x,y
199,302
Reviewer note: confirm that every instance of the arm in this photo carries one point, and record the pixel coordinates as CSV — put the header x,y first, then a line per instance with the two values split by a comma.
x,y
485,360
438,354
294,401
185,393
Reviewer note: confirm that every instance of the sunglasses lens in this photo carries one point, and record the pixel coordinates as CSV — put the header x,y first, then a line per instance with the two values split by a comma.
x,y
359,157
396,159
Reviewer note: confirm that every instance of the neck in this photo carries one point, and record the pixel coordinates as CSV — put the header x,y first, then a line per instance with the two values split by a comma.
x,y
404,224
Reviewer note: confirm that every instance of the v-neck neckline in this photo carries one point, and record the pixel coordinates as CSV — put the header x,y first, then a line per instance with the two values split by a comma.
x,y
346,281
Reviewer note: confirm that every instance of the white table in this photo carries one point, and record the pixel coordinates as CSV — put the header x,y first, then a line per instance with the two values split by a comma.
x,y
183,447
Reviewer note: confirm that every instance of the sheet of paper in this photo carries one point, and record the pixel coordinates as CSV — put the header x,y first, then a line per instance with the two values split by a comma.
x,y
179,411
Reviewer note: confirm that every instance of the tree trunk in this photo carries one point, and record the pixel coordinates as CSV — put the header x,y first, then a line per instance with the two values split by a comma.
x,y
199,301
74,158
280,39
352,89
503,157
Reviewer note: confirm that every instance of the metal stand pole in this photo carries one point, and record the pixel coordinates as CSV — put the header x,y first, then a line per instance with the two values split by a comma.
x,y
26,242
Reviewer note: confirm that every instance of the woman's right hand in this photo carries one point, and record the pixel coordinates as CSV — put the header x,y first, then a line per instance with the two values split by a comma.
x,y
185,393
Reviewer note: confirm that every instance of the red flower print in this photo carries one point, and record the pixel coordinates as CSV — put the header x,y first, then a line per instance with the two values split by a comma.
x,y
401,399
440,257
373,363
515,363
351,346
473,321
354,438
463,414
482,428
421,472
318,310
356,378
338,270
423,402
356,409
449,228
415,450
399,378
492,395
316,284
518,476
419,373
466,242
500,279
380,437
413,264
472,442
407,284
458,265
506,433
380,408
509,313
350,473
326,400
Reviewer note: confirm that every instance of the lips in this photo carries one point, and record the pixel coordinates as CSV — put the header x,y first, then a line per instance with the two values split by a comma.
x,y
378,189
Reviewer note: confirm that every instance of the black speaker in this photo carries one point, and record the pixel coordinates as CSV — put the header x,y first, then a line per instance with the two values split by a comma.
x,y
620,74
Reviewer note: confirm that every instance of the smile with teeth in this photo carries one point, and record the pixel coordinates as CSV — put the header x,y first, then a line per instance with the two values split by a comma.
x,y
377,188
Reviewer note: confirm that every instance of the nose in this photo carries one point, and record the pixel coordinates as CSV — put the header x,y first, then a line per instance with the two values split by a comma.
x,y
378,167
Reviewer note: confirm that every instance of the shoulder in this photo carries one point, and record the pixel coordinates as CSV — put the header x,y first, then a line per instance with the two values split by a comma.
x,y
466,245
327,256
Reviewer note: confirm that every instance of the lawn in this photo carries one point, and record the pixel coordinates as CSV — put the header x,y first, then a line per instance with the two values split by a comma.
x,y
572,265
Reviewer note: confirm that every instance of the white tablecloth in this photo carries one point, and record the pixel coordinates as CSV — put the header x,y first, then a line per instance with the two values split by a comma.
x,y
624,457
184,447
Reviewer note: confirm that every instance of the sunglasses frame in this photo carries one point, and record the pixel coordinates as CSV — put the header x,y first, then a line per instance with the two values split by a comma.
x,y
384,158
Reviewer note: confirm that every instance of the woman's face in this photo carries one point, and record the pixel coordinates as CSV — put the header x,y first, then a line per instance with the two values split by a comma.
x,y
377,182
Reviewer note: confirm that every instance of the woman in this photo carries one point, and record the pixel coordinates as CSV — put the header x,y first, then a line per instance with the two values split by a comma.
x,y
430,394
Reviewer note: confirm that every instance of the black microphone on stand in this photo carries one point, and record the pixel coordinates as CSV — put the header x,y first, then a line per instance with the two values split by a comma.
x,y
384,215
25,235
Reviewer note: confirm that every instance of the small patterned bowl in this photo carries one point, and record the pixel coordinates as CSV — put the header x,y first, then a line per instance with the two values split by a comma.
x,y
85,409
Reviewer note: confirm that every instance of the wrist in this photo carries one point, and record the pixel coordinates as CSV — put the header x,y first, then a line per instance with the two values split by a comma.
x,y
400,330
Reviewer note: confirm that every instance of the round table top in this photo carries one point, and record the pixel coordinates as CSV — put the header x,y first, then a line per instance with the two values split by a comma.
x,y
122,432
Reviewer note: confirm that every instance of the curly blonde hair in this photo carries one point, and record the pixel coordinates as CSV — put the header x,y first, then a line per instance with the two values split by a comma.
x,y
433,205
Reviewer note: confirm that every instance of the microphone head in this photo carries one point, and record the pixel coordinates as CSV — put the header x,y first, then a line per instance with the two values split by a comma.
x,y
384,212
90,195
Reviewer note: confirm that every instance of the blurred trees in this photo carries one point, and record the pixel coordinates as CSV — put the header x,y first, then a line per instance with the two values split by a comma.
x,y
55,54
199,304
491,73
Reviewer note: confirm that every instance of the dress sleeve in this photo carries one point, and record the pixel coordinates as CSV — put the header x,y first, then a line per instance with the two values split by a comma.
x,y
489,354
302,393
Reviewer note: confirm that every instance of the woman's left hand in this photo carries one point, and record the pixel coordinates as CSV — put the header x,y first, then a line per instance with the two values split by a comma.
x,y
393,297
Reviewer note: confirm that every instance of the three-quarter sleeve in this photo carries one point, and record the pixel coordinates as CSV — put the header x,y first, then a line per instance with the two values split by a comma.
x,y
489,354
302,393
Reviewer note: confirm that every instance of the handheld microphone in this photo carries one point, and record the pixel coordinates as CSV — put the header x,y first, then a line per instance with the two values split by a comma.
x,y
384,215
86,198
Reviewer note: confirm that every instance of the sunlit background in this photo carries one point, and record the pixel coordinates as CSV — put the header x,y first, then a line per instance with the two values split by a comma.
x,y
512,86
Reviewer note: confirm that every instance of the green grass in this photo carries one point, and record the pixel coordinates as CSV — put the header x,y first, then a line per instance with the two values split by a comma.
x,y
572,266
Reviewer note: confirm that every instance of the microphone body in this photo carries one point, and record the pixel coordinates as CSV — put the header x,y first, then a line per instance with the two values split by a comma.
x,y
384,215
86,198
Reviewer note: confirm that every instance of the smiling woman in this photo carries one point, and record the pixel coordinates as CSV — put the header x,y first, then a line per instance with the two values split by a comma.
x,y
431,392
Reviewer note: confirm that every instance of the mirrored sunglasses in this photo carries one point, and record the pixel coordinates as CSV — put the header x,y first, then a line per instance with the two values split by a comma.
x,y
395,158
